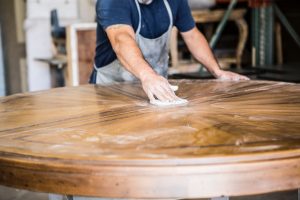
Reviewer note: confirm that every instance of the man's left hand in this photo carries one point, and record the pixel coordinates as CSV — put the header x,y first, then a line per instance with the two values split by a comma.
x,y
230,76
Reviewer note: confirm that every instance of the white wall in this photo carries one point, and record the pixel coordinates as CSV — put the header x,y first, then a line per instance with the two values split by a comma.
x,y
2,81
87,10
38,36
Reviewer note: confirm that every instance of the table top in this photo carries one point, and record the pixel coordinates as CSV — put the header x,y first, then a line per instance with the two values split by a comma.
x,y
233,138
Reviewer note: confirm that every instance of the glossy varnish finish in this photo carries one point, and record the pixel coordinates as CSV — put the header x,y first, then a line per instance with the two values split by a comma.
x,y
233,138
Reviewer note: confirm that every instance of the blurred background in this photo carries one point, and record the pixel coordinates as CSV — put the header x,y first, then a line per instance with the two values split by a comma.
x,y
50,43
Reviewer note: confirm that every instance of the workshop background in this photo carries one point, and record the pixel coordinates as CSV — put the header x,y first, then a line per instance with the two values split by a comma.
x,y
50,43
260,39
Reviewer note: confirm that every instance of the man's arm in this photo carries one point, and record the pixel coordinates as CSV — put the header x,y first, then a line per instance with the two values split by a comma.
x,y
201,50
122,38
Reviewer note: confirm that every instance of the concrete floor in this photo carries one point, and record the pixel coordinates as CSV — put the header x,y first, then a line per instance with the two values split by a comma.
x,y
14,194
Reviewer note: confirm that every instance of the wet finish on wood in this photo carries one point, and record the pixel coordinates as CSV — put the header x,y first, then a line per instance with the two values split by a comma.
x,y
233,138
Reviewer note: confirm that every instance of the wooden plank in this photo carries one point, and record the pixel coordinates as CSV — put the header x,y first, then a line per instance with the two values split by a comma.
x,y
86,54
232,139
216,15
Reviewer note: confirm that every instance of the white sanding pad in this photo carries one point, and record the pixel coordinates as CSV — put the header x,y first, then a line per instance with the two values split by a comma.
x,y
174,88
169,103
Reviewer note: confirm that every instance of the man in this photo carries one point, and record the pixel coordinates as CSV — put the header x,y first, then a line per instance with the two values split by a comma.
x,y
133,43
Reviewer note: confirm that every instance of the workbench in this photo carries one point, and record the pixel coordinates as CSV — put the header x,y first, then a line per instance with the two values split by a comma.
x,y
213,16
232,139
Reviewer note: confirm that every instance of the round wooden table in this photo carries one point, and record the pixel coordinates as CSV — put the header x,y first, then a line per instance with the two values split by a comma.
x,y
232,139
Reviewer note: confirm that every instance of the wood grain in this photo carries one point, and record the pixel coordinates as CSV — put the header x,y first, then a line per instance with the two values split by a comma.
x,y
233,138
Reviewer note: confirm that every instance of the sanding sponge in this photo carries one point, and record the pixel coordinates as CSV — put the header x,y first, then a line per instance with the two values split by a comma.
x,y
169,103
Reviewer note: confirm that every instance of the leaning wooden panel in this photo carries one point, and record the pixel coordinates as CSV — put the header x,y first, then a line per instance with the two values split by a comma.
x,y
233,138
81,44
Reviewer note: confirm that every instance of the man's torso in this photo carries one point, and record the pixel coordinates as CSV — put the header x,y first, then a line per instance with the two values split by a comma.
x,y
154,22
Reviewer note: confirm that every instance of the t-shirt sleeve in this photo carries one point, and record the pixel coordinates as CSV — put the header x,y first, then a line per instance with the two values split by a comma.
x,y
184,20
112,12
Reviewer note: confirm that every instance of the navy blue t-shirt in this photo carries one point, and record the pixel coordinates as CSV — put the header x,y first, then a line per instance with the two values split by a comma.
x,y
155,21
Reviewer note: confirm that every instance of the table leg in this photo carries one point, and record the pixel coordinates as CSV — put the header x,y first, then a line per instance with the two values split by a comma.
x,y
243,36
220,198
89,198
55,197
174,48
279,50
57,76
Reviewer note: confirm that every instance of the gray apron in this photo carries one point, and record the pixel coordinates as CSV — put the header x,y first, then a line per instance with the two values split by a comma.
x,y
155,52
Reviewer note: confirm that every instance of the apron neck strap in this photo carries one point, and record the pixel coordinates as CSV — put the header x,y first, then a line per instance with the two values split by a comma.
x,y
140,15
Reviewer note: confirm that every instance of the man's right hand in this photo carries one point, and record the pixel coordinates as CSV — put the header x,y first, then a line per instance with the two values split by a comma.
x,y
157,86
122,38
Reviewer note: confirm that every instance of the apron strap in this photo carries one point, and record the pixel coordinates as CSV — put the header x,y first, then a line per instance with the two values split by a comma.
x,y
140,15
169,13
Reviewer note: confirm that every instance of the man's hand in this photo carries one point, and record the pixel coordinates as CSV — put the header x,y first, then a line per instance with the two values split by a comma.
x,y
157,86
200,49
229,76
122,38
